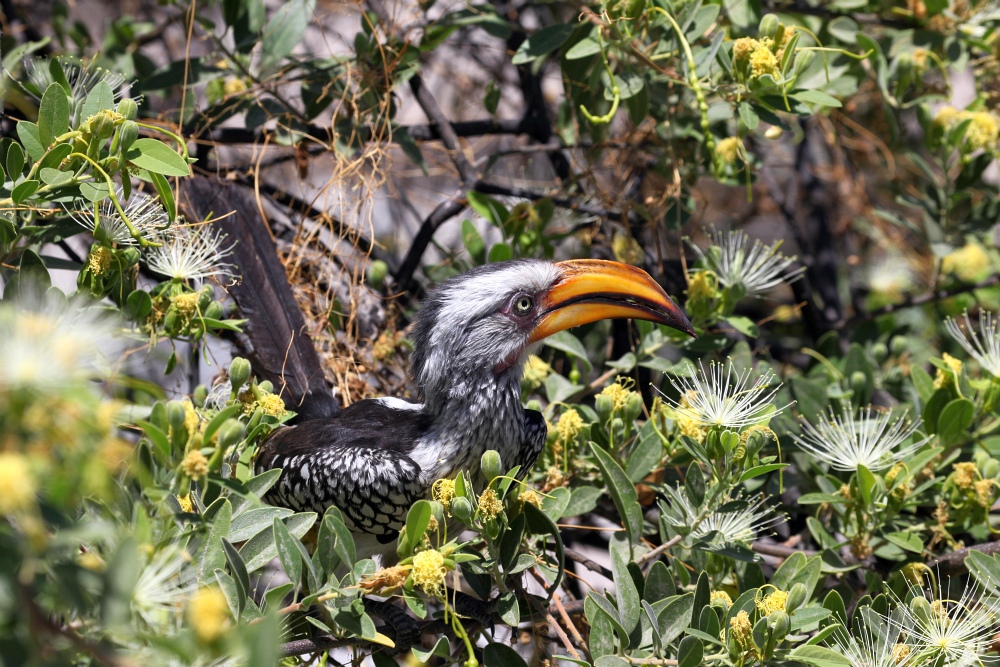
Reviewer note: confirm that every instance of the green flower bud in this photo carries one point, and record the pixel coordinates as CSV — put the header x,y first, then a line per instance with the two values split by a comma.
x,y
128,108
491,465
768,25
377,272
922,608
796,597
204,297
859,383
176,414
990,468
437,511
617,424
756,441
574,375
266,386
803,59
633,408
102,125
127,134
461,509
239,372
733,645
779,624
880,352
200,395
713,445
898,345
214,311
604,407
230,433
170,321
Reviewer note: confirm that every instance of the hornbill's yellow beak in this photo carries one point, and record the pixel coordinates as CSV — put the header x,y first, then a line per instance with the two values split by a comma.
x,y
596,289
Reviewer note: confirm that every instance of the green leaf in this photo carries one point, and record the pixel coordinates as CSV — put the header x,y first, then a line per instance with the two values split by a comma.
x,y
253,521
659,583
566,342
690,652
155,157
15,161
817,97
335,543
757,471
866,483
166,195
28,134
556,502
744,325
538,523
675,617
622,492
284,32
582,499
473,242
626,593
985,569
256,487
288,553
230,589
819,656
906,540
417,520
494,212
94,191
954,419
24,190
101,98
585,48
239,570
260,549
508,609
542,43
53,114
212,555
501,655
602,629
500,252
749,117
52,176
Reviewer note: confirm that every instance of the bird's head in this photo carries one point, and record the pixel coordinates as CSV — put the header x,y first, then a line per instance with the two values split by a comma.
x,y
480,325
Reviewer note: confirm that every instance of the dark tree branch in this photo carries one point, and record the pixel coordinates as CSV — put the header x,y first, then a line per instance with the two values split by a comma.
x,y
954,563
923,299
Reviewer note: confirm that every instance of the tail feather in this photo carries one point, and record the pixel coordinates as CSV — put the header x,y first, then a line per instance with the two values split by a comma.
x,y
274,338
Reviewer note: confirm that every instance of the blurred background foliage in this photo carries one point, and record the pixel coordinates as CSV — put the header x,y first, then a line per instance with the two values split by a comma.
x,y
815,182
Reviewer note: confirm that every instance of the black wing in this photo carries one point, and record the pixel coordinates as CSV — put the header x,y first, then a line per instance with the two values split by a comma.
x,y
357,461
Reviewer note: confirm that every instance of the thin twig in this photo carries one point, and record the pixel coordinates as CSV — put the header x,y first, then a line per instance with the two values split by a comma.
x,y
922,299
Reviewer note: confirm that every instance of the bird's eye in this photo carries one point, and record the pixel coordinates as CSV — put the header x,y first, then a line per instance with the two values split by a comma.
x,y
523,304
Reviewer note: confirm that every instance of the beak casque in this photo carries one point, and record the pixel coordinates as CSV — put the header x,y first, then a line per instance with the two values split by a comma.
x,y
596,289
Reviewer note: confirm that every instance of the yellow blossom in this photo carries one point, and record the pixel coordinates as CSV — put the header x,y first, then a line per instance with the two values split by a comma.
x,y
535,372
529,497
763,61
967,263
569,426
386,579
443,490
191,418
208,614
741,628
428,571
687,419
626,249
701,286
984,131
432,525
946,117
234,85
900,652
728,149
618,393
91,561
17,484
100,260
554,478
185,503
722,596
271,404
772,602
743,47
942,377
920,57
489,504
186,304
984,491
195,465
964,474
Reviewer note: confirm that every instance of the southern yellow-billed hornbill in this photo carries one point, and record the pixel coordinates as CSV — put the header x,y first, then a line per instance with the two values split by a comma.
x,y
378,456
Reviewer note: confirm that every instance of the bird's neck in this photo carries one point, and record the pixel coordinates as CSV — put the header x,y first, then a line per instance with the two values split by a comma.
x,y
475,413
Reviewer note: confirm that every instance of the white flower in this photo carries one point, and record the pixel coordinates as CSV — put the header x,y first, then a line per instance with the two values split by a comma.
x,y
742,525
725,397
193,253
81,78
951,633
877,642
146,214
986,350
891,276
846,442
167,581
757,268
46,343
